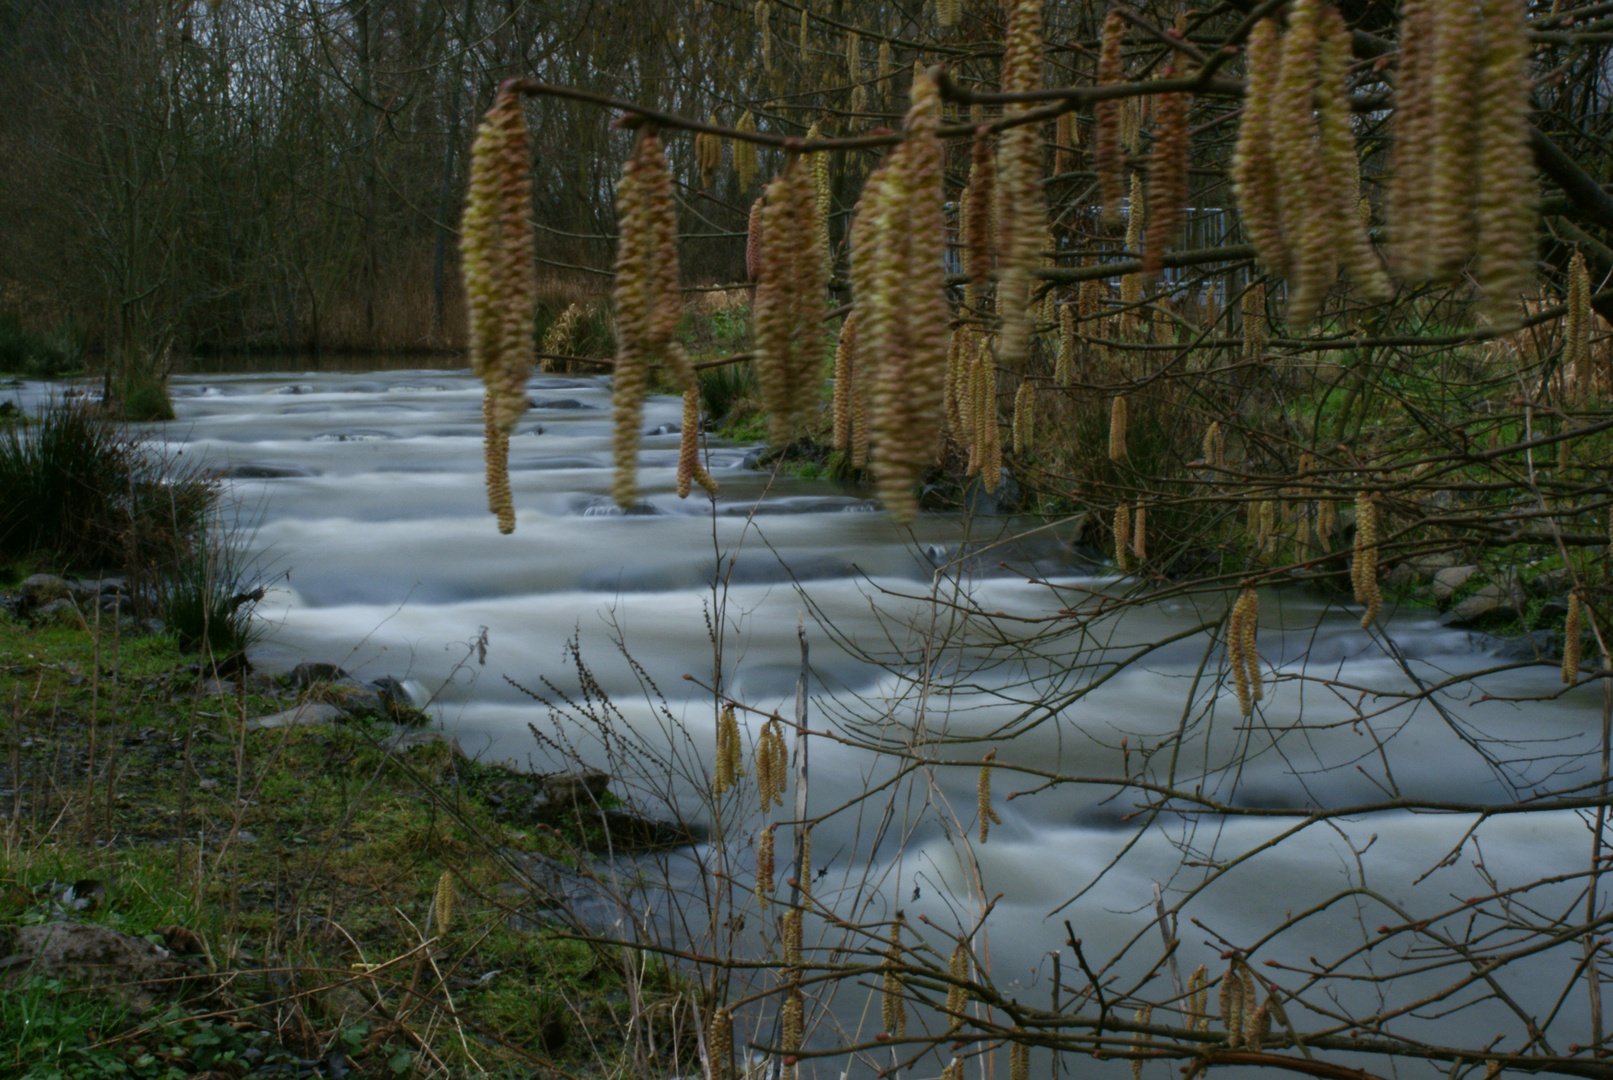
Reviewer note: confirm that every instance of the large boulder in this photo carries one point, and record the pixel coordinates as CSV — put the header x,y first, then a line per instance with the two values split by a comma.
x,y
1492,603
43,588
1450,579
97,957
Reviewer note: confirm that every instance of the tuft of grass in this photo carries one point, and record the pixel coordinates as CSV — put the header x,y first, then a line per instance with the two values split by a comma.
x,y
40,356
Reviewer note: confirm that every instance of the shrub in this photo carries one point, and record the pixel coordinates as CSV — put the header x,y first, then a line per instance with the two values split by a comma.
x,y
43,356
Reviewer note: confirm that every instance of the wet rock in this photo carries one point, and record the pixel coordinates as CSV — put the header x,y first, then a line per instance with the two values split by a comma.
x,y
313,712
396,702
99,957
561,403
216,687
268,472
1536,645
404,741
1448,580
353,697
1429,565
308,673
1553,581
43,588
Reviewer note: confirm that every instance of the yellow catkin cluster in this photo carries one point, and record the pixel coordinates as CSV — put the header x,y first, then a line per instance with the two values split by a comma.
x,y
988,816
745,162
977,214
1139,1040
765,868
1131,285
845,364
500,282
1573,630
957,373
985,449
1364,564
753,240
1463,177
728,760
1167,177
1133,115
801,31
1295,169
1064,364
953,1070
1139,532
772,764
1021,209
443,902
647,300
1255,328
893,1003
957,987
1067,139
720,1044
884,59
790,301
1237,1001
790,933
708,154
1122,529
1118,413
1198,990
1243,654
557,341
496,457
1025,418
690,469
1019,1061
1111,165
764,23
805,870
854,57
820,185
901,306
793,1015
947,12
1575,364
1215,447
1327,520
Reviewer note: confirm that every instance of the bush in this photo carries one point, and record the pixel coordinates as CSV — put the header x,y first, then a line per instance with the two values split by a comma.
x,y
204,599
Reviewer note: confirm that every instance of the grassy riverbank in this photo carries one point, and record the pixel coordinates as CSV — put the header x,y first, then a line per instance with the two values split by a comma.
x,y
301,872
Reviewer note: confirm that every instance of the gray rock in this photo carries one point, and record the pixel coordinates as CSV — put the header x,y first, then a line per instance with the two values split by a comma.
x,y
92,956
308,673
63,610
261,682
1553,581
214,687
42,588
1536,645
1402,576
356,699
1490,602
1429,565
313,712
1448,580
404,741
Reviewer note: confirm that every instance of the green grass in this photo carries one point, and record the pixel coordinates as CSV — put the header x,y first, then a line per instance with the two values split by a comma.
x,y
338,847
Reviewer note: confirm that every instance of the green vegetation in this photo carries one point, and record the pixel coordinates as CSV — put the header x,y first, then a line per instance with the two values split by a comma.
x,y
39,356
295,869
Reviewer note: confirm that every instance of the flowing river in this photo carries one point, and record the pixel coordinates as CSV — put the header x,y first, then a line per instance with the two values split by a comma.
x,y
366,494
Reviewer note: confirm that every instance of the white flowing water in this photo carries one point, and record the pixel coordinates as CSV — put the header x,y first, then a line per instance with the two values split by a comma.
x,y
366,490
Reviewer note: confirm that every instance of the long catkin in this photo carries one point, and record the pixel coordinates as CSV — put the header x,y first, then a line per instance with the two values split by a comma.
x,y
1506,211
1364,565
1254,167
1167,177
1110,164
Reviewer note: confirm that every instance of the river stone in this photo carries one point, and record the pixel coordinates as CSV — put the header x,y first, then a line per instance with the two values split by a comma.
x,y
313,712
1553,581
90,955
1448,580
41,588
1404,575
1489,602
1430,565
64,611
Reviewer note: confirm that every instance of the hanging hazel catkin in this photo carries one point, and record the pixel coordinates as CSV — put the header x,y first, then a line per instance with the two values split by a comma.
x,y
957,987
1242,653
443,902
854,57
1573,630
893,1002
1254,166
1411,166
988,816
1307,226
1106,153
1457,52
1364,564
690,468
1167,176
753,241
1215,453
1340,168
1021,210
845,352
1232,1005
1064,138
1575,362
764,23
902,316
1117,428
708,154
977,207
1064,365
720,1044
820,185
745,153
496,454
1131,285
1024,418
1197,997
1122,529
789,307
1139,532
764,866
1504,237
1254,321
1019,1060
500,283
